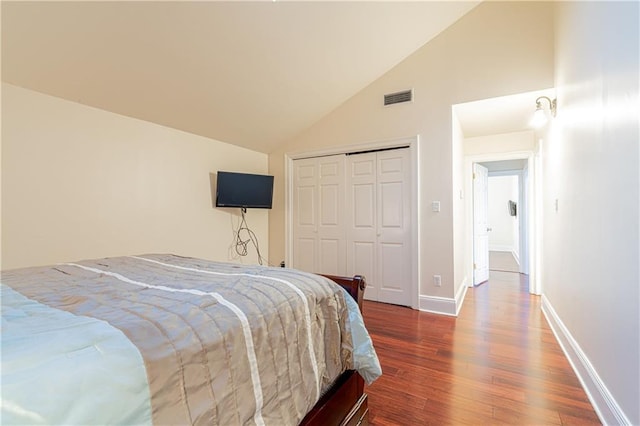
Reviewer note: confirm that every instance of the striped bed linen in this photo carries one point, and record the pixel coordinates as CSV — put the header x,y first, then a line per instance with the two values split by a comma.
x,y
204,342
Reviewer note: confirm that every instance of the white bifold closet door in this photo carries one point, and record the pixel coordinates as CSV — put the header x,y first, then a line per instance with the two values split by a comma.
x,y
319,241
379,223
352,215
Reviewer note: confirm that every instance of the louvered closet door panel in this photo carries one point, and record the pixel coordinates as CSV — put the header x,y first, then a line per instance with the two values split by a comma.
x,y
361,220
394,226
331,232
305,222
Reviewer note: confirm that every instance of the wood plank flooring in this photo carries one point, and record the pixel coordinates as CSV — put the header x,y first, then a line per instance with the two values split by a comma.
x,y
503,261
496,363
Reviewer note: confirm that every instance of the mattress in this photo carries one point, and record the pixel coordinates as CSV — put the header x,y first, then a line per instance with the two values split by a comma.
x,y
163,339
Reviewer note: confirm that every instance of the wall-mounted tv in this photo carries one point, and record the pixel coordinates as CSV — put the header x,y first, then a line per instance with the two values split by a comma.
x,y
244,190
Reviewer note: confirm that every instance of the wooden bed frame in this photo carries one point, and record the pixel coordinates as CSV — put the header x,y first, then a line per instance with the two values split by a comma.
x,y
345,403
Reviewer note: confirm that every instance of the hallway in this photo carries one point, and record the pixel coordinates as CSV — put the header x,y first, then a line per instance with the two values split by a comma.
x,y
497,363
502,261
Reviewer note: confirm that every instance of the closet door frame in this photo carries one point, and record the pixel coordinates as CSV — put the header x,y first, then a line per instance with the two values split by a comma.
x,y
413,145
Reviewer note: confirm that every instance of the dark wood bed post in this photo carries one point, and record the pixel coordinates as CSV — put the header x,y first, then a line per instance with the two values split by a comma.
x,y
345,403
355,286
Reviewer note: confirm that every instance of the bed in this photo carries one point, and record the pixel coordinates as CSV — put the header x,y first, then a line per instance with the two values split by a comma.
x,y
164,339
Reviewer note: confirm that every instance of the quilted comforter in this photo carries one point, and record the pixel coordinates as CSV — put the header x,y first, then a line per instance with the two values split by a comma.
x,y
165,339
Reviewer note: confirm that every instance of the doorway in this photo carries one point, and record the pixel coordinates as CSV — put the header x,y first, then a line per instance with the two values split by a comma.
x,y
495,130
506,218
514,204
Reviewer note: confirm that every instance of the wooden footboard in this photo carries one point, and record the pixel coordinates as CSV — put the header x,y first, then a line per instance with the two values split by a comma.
x,y
355,286
345,403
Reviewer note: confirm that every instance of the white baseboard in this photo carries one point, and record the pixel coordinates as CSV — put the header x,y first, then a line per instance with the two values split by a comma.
x,y
603,402
438,305
444,305
460,295
516,257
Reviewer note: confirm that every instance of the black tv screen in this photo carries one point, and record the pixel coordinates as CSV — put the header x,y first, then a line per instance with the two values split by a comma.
x,y
244,190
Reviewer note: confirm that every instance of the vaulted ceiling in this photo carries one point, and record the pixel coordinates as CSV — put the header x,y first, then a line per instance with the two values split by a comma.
x,y
253,74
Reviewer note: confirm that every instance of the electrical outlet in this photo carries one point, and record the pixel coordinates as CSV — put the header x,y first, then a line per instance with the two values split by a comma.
x,y
437,280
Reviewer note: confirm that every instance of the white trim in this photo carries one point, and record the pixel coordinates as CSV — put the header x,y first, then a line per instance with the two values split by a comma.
x,y
413,143
603,402
445,305
438,305
516,257
415,221
460,295
288,208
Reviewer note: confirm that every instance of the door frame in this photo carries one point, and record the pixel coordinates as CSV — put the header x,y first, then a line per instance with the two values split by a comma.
x,y
413,144
533,197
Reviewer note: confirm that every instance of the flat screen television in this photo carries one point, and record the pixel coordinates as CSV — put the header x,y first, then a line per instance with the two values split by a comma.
x,y
244,190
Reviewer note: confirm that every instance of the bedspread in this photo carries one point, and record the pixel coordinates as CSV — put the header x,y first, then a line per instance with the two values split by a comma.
x,y
173,340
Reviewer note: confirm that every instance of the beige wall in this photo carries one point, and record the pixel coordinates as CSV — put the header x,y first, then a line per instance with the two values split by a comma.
x,y
500,143
590,166
79,182
499,48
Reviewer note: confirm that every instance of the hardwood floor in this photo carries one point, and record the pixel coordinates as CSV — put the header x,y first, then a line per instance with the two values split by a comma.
x,y
496,363
502,261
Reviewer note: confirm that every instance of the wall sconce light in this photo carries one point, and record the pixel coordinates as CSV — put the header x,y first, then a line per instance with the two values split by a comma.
x,y
540,116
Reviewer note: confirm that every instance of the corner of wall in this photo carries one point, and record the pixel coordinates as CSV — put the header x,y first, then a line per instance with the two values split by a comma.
x,y
444,305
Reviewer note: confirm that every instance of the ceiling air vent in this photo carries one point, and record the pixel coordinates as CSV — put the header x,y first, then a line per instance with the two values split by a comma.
x,y
398,97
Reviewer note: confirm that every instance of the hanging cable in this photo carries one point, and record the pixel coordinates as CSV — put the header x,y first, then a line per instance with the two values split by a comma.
x,y
242,245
